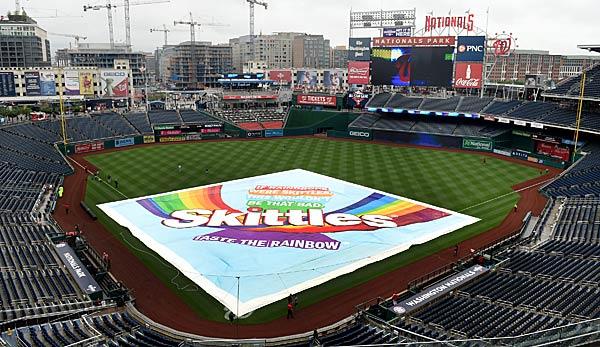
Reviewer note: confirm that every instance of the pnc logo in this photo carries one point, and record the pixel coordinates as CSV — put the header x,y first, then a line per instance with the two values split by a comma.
x,y
470,48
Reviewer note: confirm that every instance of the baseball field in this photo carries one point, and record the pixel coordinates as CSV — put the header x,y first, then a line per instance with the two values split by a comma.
x,y
458,181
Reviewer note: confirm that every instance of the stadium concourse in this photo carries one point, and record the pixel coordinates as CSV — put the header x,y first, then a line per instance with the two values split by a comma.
x,y
541,276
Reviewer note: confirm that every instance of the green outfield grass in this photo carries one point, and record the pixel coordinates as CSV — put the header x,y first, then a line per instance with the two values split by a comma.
x,y
456,181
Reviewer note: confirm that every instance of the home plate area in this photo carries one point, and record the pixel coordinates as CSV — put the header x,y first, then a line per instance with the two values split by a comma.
x,y
253,241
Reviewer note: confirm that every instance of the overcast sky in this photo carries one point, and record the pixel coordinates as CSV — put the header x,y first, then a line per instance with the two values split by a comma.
x,y
554,25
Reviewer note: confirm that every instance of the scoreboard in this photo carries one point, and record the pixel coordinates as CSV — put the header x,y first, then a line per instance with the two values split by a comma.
x,y
187,132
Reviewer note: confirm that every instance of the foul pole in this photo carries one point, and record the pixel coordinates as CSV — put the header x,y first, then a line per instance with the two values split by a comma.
x,y
579,109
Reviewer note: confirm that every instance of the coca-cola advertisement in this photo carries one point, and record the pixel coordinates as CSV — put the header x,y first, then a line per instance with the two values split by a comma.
x,y
358,72
468,75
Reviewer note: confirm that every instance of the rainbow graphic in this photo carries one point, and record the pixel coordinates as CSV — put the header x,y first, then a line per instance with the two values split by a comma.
x,y
402,212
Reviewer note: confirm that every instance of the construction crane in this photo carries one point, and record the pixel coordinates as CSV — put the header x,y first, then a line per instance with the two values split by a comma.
x,y
75,37
193,24
126,5
164,30
252,3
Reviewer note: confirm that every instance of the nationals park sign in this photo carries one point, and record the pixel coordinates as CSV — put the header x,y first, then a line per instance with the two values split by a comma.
x,y
277,234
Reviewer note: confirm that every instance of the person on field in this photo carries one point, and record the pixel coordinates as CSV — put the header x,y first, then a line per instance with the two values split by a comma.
x,y
290,310
395,298
116,184
515,208
456,251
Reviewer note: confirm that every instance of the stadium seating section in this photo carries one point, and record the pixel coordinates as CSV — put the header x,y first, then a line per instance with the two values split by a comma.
x,y
254,119
571,87
540,112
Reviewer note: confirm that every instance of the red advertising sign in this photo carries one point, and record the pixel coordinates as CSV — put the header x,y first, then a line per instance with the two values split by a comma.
x,y
249,97
457,22
427,41
319,100
89,147
358,72
281,76
553,151
468,75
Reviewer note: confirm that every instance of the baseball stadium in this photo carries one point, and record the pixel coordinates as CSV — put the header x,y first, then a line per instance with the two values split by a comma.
x,y
404,201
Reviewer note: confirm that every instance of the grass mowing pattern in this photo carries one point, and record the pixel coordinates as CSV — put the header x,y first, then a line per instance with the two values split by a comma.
x,y
455,181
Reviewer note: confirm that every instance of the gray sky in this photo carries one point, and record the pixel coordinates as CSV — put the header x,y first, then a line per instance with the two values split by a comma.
x,y
554,25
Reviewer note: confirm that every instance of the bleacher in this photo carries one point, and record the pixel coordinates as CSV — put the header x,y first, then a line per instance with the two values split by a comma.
x,y
254,119
115,123
571,87
140,122
581,180
164,117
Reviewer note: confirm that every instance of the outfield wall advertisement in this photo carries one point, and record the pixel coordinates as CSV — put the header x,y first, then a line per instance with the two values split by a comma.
x,y
89,147
478,144
317,100
278,234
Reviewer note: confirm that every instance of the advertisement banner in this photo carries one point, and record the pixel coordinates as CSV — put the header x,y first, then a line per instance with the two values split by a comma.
x,y
89,147
359,43
78,271
7,84
250,97
357,99
397,32
438,290
114,83
362,134
280,76
273,132
283,232
470,48
551,139
32,83
478,144
317,100
149,139
306,78
468,75
255,133
520,122
179,138
47,83
86,83
129,141
427,41
359,55
358,72
553,150
332,79
71,82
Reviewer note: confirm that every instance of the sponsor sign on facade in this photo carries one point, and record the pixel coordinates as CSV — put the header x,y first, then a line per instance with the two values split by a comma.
x,y
89,147
7,84
71,82
280,76
86,83
32,83
438,290
359,72
428,41
255,133
149,139
317,100
114,83
47,83
468,75
281,233
359,55
470,48
364,134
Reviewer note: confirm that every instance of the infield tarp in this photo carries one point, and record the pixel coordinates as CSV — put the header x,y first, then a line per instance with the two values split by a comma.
x,y
279,234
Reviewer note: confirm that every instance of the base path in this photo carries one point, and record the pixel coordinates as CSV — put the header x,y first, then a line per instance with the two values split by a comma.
x,y
162,305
